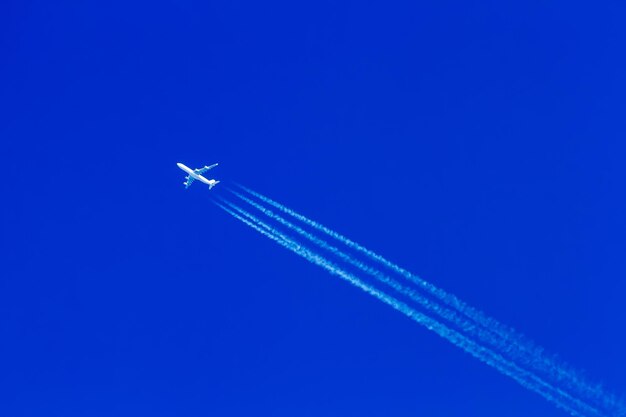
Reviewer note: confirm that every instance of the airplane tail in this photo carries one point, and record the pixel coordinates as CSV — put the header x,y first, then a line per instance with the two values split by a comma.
x,y
213,185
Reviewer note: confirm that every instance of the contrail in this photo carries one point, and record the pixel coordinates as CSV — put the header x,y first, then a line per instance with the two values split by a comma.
x,y
530,381
507,339
484,333
449,299
447,314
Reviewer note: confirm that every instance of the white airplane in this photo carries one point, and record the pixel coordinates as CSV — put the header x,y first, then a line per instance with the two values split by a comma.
x,y
196,174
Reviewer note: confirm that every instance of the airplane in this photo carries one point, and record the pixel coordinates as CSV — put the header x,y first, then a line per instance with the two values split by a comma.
x,y
196,174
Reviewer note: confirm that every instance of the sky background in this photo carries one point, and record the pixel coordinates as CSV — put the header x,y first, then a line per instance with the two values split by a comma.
x,y
479,145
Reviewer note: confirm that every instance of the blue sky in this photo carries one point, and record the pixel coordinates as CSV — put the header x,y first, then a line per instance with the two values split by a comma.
x,y
478,145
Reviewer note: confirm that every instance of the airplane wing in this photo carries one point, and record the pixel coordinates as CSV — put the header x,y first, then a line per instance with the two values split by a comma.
x,y
201,171
188,182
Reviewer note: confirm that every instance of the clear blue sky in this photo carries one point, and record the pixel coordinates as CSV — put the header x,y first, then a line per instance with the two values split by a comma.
x,y
479,145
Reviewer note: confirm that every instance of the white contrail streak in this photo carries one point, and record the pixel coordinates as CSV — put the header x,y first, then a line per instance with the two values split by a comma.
x,y
470,328
508,340
484,333
523,377
447,314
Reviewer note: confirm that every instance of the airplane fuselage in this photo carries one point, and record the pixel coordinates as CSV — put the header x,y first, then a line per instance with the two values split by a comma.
x,y
194,175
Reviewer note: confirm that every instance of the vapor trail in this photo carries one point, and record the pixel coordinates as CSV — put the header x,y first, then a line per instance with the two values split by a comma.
x,y
476,330
443,312
530,381
508,340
